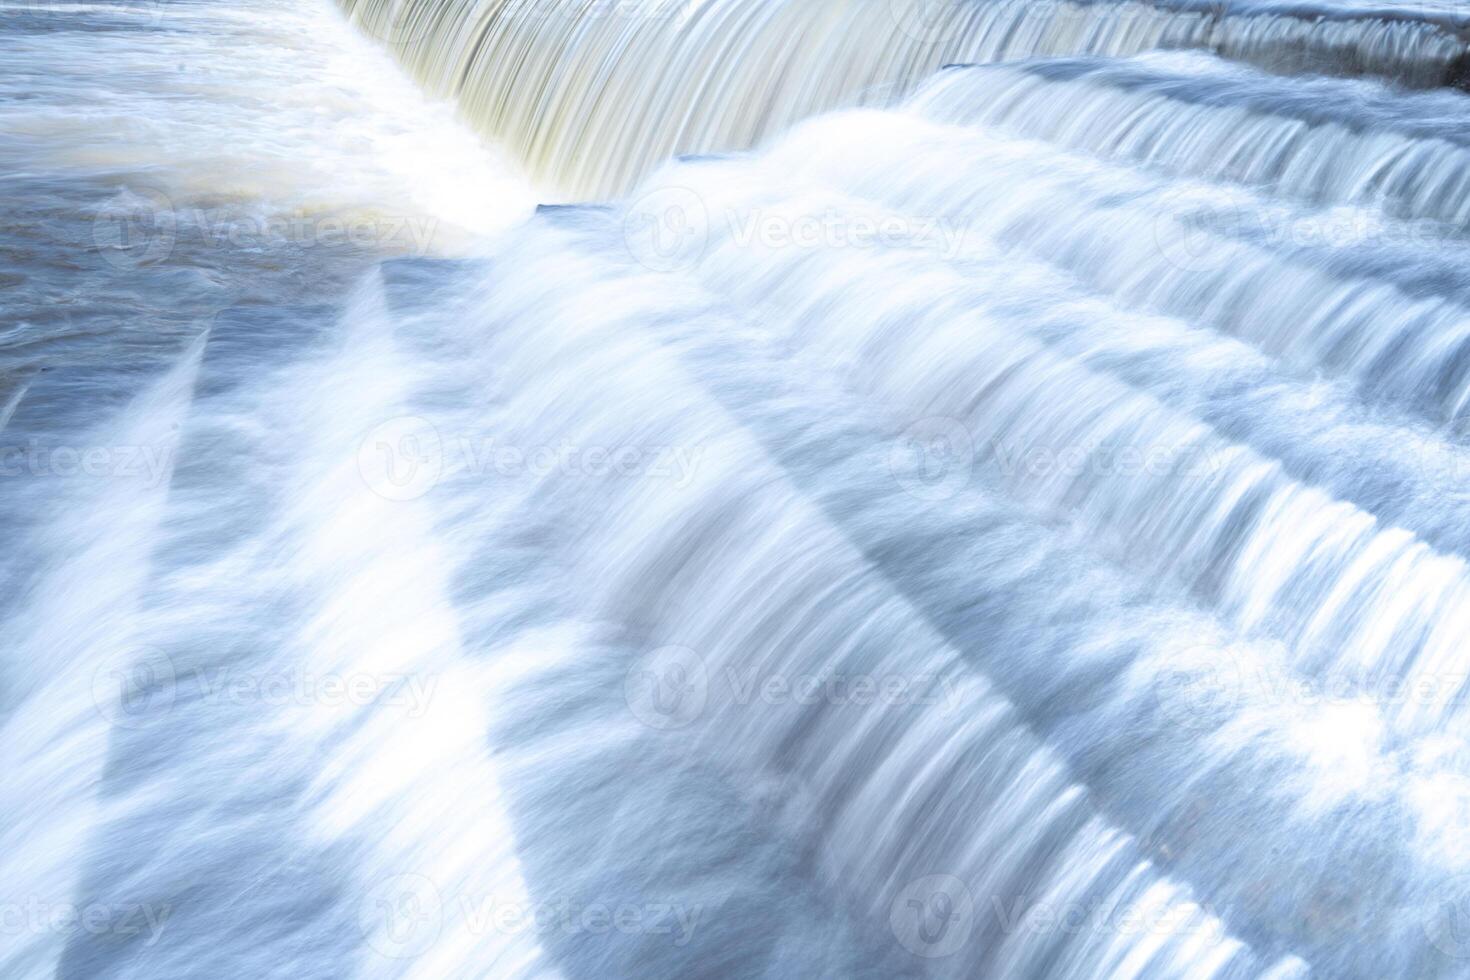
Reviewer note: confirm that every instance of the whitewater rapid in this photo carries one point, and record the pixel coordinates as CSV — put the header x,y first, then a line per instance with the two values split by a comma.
x,y
973,489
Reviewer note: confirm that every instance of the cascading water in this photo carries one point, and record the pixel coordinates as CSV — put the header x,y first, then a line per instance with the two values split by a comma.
x,y
604,89
961,489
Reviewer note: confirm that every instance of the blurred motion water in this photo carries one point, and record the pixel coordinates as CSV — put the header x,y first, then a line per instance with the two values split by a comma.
x,y
958,489
603,89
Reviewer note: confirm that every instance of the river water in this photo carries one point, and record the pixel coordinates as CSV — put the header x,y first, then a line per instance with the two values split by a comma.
x,y
709,489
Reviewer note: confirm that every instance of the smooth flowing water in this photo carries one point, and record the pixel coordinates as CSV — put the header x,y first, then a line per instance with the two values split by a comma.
x,y
955,489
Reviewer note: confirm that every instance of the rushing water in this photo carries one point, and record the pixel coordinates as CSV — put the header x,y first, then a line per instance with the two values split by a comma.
x,y
603,89
996,505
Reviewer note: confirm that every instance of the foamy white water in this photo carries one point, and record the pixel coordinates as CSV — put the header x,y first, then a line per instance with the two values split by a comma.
x,y
188,224
878,517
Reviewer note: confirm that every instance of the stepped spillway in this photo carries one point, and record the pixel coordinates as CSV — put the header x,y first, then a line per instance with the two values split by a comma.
x,y
777,488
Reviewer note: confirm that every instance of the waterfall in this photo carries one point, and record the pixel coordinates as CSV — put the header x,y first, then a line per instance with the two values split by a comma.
x,y
601,91
736,488
1320,141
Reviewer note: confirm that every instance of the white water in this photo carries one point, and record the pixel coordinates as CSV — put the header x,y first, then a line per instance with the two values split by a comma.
x,y
601,91
1013,526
